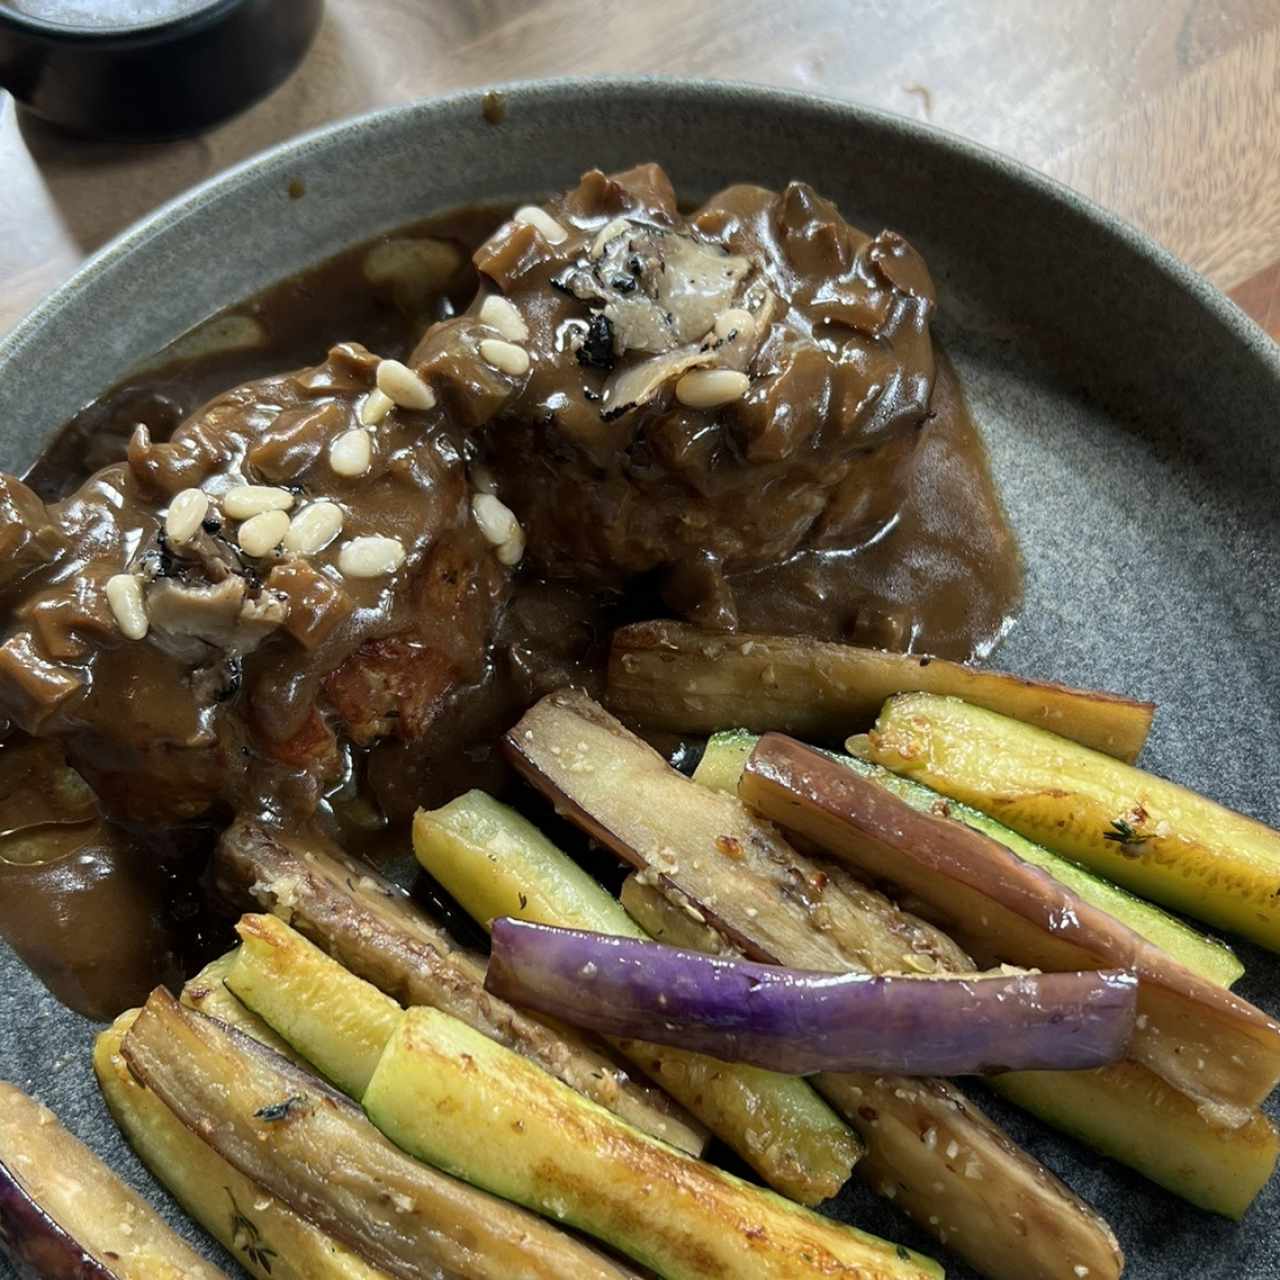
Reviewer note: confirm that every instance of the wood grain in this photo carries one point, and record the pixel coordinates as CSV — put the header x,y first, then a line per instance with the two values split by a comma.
x,y
1165,110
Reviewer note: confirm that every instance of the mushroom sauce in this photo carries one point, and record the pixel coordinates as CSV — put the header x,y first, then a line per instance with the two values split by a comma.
x,y
322,595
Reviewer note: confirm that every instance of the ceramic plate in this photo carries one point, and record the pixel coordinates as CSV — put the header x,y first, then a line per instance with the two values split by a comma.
x,y
1130,409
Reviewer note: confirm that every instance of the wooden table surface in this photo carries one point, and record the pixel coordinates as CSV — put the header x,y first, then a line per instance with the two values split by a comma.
x,y
1166,111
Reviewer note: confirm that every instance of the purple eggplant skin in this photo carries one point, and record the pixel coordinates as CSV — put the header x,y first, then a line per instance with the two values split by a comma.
x,y
38,1247
800,1022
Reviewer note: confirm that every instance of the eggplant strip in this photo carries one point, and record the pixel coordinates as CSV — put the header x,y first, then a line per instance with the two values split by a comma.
x,y
373,929
1015,1222
267,1238
625,795
1199,1037
313,1148
668,675
65,1216
799,1021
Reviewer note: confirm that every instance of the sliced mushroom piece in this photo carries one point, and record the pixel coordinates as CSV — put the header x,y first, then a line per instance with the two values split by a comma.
x,y
637,384
221,614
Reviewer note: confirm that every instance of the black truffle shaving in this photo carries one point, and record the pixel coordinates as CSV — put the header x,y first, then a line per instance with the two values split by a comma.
x,y
596,351
160,561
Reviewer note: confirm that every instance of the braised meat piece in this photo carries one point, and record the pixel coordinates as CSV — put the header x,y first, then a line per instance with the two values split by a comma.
x,y
686,396
347,580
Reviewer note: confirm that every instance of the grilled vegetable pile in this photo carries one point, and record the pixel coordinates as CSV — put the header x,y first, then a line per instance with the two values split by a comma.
x,y
811,942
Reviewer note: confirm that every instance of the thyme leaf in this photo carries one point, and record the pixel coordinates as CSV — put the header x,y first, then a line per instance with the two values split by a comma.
x,y
279,1110
1125,834
246,1237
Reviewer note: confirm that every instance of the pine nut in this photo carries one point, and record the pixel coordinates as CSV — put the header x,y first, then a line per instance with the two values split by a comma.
x,y
610,231
375,406
399,383
709,388
496,520
351,453
735,320
262,534
501,314
313,528
511,551
506,357
540,220
185,514
247,500
370,557
124,595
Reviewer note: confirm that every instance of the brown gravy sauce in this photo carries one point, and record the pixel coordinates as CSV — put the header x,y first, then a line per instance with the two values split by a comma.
x,y
102,910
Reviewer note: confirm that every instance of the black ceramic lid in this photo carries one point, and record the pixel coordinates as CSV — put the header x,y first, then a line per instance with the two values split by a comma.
x,y
149,68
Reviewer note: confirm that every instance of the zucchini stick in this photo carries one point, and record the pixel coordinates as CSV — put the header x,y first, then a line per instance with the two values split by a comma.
x,y
1201,1038
376,932
209,994
1124,1111
313,1148
264,1235
667,675
497,863
1152,836
726,753
339,1023
1017,1222
462,1102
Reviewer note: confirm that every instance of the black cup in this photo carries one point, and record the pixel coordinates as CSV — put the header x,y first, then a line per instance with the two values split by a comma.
x,y
149,69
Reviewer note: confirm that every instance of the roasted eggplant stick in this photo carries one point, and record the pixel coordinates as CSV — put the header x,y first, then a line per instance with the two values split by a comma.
x,y
669,675
65,1216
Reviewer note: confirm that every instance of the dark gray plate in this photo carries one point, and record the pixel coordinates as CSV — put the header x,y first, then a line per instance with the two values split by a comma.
x,y
1130,408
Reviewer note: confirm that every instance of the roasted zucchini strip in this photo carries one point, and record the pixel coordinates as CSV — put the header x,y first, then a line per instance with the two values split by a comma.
x,y
65,1216
497,863
464,1103
1198,1036
264,1235
1017,1222
375,931
1128,1113
208,993
336,1022
313,1148
667,675
726,753
1124,1111
1154,837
